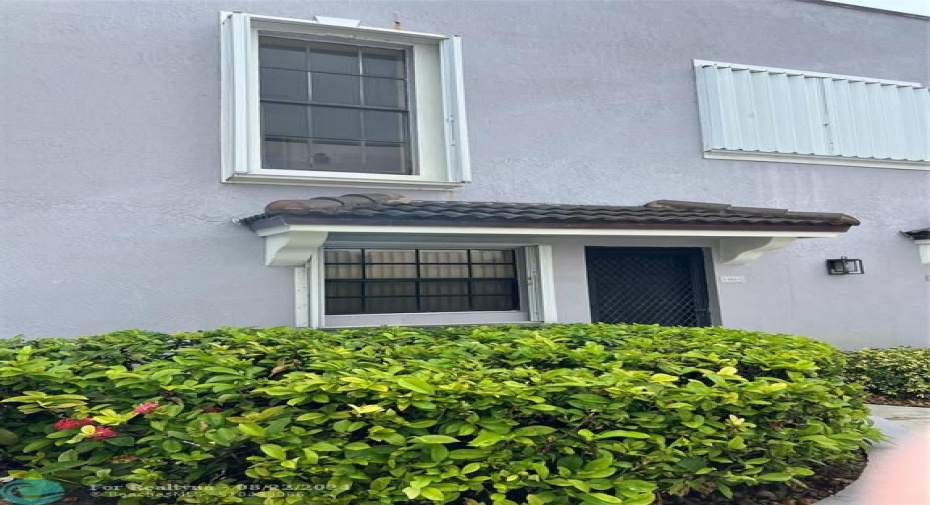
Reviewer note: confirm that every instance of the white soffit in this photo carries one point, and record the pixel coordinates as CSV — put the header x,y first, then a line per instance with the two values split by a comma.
x,y
294,245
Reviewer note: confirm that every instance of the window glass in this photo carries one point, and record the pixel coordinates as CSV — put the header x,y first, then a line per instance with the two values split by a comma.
x,y
282,53
384,92
335,88
335,58
333,107
285,120
335,123
383,62
283,84
381,281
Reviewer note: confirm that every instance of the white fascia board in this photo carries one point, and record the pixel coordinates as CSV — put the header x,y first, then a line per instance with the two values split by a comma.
x,y
589,232
774,70
388,33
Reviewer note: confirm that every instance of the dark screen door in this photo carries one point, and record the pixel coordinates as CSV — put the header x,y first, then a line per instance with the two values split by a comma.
x,y
647,285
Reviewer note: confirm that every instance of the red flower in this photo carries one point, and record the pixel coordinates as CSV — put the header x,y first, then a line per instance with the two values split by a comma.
x,y
102,433
64,424
145,408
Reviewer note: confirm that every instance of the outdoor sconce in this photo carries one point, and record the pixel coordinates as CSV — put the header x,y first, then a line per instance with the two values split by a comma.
x,y
844,266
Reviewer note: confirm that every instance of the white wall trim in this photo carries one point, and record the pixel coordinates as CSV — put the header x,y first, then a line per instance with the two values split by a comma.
x,y
342,182
301,297
317,282
923,247
738,251
540,283
547,283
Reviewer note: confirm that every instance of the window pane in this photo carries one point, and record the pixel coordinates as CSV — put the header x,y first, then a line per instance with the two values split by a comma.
x,y
384,126
336,58
343,255
284,119
483,256
391,305
335,88
336,123
336,155
343,271
384,92
444,288
383,62
443,271
492,271
385,158
283,84
390,256
390,271
282,53
444,256
337,306
493,303
491,287
391,289
286,154
444,304
344,289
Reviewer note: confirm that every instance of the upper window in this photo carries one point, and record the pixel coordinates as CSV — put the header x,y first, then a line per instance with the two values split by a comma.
x,y
331,103
770,114
334,107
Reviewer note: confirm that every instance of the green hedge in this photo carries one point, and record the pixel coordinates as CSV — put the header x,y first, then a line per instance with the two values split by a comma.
x,y
900,372
562,414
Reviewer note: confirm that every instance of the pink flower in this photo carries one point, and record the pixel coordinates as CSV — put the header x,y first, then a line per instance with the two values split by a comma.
x,y
102,433
145,408
64,424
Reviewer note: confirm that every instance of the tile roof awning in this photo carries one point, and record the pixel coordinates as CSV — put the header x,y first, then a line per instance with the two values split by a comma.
x,y
746,228
393,210
921,238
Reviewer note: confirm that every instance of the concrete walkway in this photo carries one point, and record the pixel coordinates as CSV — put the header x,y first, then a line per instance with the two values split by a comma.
x,y
898,470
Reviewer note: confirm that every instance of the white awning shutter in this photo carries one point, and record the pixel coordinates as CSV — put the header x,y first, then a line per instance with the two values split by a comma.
x,y
757,110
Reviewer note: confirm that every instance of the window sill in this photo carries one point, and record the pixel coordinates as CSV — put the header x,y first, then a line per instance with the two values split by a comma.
x,y
428,319
344,182
810,159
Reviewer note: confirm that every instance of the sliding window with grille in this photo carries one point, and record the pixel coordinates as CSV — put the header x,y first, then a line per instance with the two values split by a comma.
x,y
386,281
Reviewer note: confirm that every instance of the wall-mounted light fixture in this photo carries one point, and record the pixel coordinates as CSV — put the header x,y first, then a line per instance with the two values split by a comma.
x,y
844,266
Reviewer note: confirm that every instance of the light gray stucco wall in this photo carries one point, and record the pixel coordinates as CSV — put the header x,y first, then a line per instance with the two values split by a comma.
x,y
114,216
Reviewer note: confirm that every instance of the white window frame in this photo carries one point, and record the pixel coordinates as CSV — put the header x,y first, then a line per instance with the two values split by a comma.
x,y
441,148
537,279
722,126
